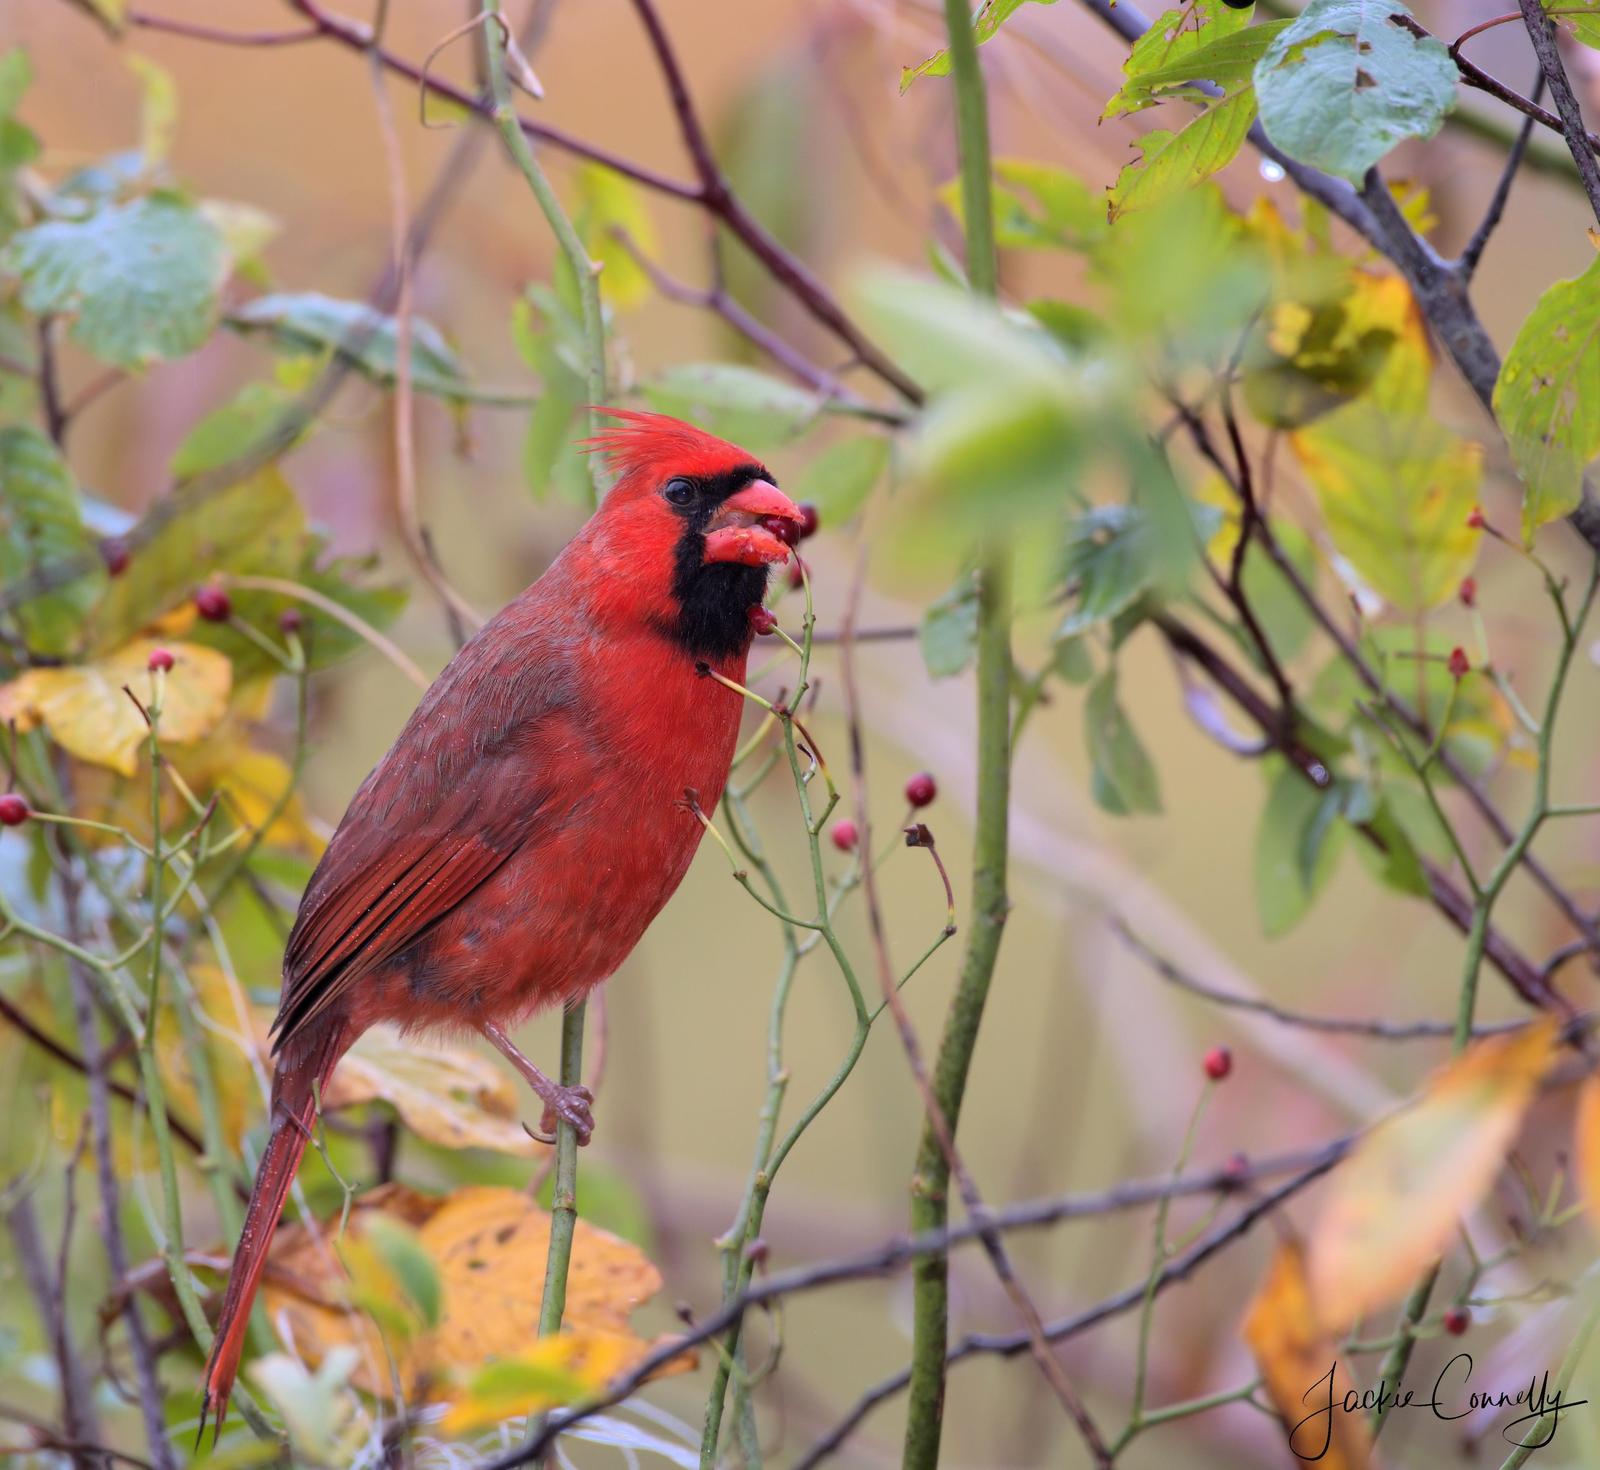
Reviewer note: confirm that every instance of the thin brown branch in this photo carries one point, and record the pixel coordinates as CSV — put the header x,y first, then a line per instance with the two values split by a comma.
x,y
1542,32
1174,974
1304,1167
197,32
1526,979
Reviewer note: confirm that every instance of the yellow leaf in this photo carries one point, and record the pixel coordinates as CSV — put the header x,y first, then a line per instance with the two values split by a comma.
x,y
611,203
250,786
1586,1148
87,713
231,1046
554,1372
1300,1364
488,1248
1395,1201
445,1094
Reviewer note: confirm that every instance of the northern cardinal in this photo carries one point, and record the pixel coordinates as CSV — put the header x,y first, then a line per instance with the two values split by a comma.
x,y
531,818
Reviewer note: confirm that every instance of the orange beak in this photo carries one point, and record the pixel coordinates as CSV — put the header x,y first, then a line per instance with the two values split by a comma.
x,y
748,526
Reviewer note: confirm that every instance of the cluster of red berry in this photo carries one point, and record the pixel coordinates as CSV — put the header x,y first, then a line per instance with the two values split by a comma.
x,y
920,792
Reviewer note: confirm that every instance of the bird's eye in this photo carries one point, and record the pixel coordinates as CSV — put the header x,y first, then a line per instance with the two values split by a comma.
x,y
679,491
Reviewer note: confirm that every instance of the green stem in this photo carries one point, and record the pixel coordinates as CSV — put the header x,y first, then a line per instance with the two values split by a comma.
x,y
1484,897
931,1179
564,1203
584,269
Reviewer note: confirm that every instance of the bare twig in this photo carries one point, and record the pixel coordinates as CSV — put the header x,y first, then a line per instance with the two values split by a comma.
x,y
1542,32
1472,252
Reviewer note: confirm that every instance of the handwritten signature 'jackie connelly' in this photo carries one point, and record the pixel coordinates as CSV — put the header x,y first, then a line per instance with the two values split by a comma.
x,y
1451,1398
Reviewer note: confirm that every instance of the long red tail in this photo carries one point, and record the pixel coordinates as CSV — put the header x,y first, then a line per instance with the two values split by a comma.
x,y
303,1067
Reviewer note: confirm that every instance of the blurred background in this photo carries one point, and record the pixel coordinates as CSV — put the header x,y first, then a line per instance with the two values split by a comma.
x,y
1089,1066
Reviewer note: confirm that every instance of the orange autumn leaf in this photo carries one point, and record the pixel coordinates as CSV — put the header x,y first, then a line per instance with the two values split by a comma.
x,y
1297,1359
487,1246
1395,1202
1586,1148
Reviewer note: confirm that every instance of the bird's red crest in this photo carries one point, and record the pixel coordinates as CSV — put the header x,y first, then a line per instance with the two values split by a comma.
x,y
644,442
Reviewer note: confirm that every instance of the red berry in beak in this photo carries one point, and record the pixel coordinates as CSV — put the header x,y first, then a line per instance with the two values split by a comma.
x,y
160,658
13,810
763,620
783,528
809,520
212,604
921,789
1218,1063
1459,663
845,836
797,576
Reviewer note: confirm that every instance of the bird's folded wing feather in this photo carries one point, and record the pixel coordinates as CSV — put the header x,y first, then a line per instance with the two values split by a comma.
x,y
393,869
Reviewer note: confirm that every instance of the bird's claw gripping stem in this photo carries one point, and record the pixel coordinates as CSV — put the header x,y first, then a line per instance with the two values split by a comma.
x,y
561,1104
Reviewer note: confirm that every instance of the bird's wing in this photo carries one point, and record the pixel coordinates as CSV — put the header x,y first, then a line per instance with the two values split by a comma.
x,y
438,816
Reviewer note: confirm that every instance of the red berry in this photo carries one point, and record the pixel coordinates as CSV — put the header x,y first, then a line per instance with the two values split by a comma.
x,y
1457,1320
921,789
114,552
845,836
1469,592
763,620
1459,663
797,575
809,520
212,604
783,528
291,620
160,658
1237,1169
1218,1063
1475,519
13,810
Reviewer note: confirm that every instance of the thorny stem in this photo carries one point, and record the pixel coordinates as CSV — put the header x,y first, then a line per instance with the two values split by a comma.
x,y
990,901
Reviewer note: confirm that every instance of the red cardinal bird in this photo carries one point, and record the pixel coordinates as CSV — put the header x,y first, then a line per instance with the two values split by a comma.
x,y
530,821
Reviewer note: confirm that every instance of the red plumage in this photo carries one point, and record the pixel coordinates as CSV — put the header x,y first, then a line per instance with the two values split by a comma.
x,y
529,821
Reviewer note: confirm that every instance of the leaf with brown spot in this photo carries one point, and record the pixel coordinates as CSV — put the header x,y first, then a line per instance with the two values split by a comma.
x,y
445,1094
488,1248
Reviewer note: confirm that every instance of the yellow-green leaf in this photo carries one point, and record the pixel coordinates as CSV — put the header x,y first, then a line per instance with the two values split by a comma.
x,y
88,713
1396,490
612,204
1547,397
1175,161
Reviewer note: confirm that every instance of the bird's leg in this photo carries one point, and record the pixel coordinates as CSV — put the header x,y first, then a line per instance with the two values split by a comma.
x,y
561,1104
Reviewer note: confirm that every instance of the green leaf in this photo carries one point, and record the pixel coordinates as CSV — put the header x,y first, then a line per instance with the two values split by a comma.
x,y
949,630
1037,206
739,403
1205,41
549,341
991,16
839,480
1106,567
1396,491
40,525
1172,162
1122,779
309,322
1582,19
1547,397
140,279
1072,661
1343,84
400,1249
238,427
1297,849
